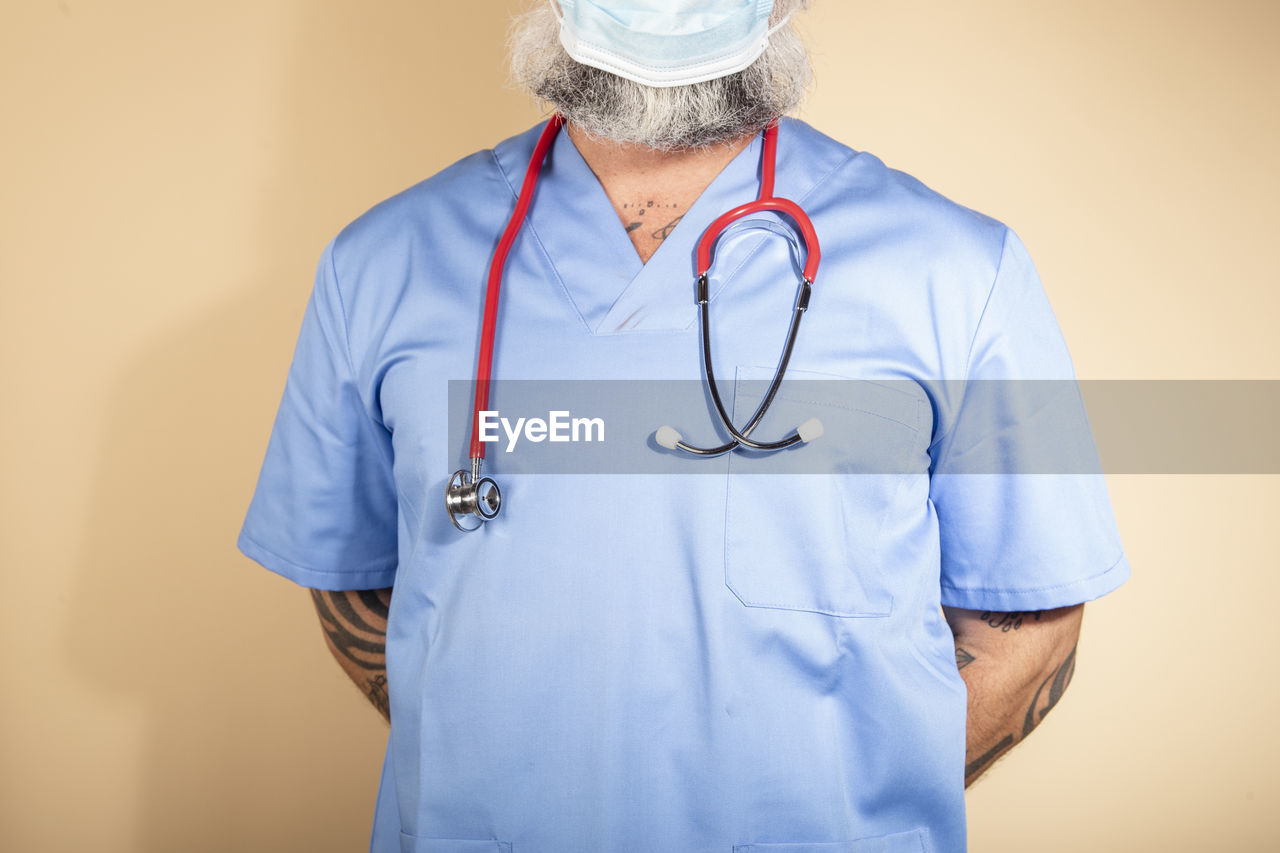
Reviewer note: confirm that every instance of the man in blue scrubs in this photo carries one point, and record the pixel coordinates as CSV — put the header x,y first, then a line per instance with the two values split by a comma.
x,y
733,661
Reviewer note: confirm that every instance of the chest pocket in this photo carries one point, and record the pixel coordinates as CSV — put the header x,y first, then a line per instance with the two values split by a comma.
x,y
804,526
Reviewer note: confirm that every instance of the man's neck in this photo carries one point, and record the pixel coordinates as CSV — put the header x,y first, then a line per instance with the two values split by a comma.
x,y
651,190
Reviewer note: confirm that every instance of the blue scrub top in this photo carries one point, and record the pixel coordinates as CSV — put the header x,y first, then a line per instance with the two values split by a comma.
x,y
650,662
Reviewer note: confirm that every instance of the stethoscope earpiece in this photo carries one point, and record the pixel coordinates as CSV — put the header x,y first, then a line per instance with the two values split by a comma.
x,y
810,430
667,437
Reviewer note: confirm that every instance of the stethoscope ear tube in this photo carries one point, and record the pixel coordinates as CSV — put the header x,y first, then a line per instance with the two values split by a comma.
x,y
813,252
810,429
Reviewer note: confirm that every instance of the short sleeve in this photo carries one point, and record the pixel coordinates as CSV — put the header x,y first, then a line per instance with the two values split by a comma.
x,y
324,510
1025,521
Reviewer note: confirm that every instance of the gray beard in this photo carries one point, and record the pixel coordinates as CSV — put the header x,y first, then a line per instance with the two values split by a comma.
x,y
697,115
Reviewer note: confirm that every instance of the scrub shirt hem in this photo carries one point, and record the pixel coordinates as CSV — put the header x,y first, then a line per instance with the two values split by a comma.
x,y
378,578
1039,598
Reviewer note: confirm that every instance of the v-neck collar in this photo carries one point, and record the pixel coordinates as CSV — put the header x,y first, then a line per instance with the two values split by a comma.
x,y
612,291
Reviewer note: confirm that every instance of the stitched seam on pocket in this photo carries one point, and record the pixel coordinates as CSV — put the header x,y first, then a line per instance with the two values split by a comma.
x,y
871,577
862,612
788,393
790,398
870,596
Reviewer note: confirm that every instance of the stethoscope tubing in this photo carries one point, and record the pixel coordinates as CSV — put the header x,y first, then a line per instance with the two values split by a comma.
x,y
813,256
741,437
484,363
813,252
468,494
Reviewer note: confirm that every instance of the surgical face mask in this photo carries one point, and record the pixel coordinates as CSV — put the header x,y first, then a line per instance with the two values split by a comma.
x,y
666,42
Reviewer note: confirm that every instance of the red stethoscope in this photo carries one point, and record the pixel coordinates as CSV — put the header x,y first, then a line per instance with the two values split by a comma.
x,y
476,499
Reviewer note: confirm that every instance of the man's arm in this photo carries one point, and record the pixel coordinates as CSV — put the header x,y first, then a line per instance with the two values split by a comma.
x,y
1016,666
355,629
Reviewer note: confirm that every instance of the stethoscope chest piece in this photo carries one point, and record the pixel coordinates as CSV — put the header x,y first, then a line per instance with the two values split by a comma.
x,y
471,500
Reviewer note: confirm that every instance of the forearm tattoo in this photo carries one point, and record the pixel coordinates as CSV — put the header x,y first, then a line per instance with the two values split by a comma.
x,y
378,694
973,768
1047,695
1008,621
1057,684
358,631
355,624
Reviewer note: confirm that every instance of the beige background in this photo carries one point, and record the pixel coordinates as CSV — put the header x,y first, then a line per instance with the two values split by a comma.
x,y
170,173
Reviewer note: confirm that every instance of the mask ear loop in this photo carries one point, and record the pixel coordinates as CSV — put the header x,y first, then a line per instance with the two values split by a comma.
x,y
785,20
